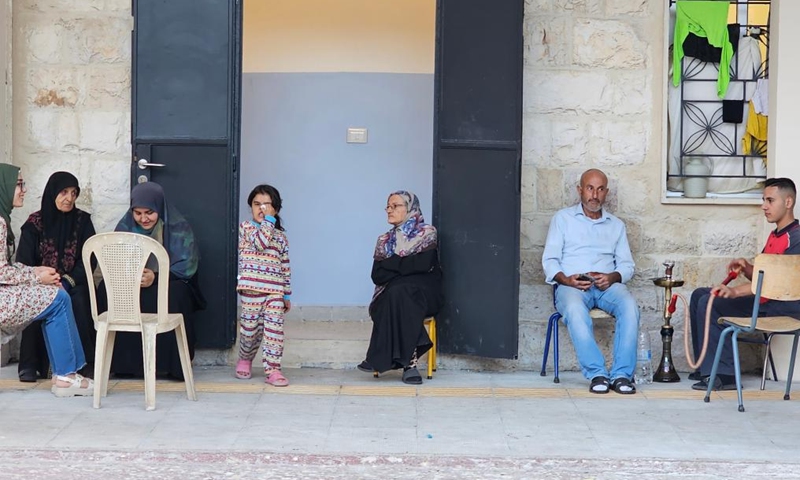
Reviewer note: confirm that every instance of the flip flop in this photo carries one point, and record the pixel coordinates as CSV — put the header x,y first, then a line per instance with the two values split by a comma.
x,y
243,368
411,376
276,379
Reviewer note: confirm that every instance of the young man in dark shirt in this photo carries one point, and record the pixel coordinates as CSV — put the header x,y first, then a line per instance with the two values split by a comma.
x,y
778,202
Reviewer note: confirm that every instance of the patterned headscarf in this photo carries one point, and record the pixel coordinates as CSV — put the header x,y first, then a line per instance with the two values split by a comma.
x,y
410,237
176,233
8,185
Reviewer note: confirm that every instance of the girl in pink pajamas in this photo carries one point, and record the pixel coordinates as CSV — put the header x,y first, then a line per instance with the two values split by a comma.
x,y
264,285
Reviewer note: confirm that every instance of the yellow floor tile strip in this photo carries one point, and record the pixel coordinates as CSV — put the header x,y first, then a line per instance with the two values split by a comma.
x,y
426,390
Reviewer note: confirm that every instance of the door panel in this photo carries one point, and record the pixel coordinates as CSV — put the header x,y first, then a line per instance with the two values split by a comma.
x,y
477,159
182,69
186,84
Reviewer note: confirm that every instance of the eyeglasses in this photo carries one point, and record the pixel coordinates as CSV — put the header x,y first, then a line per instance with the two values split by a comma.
x,y
21,183
394,206
259,205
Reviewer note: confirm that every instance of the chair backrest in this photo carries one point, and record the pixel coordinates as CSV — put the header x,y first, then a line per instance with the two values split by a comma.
x,y
122,257
778,276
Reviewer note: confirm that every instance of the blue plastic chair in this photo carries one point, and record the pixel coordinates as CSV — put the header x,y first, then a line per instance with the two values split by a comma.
x,y
552,331
778,278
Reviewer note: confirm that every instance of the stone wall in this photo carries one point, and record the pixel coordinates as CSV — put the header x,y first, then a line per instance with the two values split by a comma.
x,y
71,107
594,87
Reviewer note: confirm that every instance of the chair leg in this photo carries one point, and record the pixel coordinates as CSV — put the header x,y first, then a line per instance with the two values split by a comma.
x,y
543,372
737,369
715,365
149,359
432,352
112,337
186,361
100,379
555,350
767,357
791,369
435,344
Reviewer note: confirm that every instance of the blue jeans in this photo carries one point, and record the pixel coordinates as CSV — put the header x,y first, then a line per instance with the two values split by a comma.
x,y
574,306
61,336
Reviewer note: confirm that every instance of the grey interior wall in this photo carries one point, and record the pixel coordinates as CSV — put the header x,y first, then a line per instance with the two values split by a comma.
x,y
293,137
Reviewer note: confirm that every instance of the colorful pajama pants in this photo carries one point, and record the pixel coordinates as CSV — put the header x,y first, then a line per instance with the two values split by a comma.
x,y
261,323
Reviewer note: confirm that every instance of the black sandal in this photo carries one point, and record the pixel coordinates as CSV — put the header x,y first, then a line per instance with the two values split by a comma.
x,y
599,385
411,376
28,375
623,386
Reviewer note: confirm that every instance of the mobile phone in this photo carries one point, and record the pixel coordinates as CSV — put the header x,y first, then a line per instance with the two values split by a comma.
x,y
585,278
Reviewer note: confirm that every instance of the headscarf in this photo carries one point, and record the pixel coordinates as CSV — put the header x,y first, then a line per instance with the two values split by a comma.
x,y
8,185
172,230
58,230
410,237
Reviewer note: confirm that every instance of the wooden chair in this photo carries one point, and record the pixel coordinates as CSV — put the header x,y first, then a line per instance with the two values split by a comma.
x,y
121,257
430,323
777,278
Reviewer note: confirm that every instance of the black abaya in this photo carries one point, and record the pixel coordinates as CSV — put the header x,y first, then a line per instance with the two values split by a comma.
x,y
412,292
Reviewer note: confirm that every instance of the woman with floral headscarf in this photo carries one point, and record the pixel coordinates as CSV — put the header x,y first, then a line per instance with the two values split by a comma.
x,y
28,294
407,278
151,215
53,237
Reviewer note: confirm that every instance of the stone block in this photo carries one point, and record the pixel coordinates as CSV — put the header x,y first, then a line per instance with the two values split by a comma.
x,y
564,6
534,231
528,190
634,234
550,190
546,41
60,6
109,182
530,270
104,39
729,239
626,8
616,144
109,88
671,235
631,93
636,196
55,86
104,132
569,92
608,44
42,42
536,138
569,143
535,302
48,130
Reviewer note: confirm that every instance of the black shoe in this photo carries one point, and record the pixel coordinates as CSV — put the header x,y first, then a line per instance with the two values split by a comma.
x,y
722,382
365,367
696,375
28,375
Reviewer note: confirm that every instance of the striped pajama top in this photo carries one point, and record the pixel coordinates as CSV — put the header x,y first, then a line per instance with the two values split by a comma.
x,y
264,259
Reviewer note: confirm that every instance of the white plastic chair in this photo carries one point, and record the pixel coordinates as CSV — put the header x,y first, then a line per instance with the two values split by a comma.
x,y
121,257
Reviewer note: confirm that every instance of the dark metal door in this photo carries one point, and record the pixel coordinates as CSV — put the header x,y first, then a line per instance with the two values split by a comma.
x,y
477,160
185,124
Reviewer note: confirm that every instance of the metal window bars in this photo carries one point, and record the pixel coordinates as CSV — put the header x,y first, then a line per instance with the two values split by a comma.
x,y
702,132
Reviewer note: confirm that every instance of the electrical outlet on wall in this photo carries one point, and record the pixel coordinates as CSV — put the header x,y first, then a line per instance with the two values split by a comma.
x,y
356,135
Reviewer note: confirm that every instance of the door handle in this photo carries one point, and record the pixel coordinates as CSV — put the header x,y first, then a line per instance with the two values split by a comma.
x,y
143,163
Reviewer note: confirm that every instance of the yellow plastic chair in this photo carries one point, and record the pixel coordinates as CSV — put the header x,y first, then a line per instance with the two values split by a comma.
x,y
121,257
430,324
776,277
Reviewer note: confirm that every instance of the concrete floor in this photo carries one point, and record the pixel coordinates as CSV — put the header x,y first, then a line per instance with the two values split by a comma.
x,y
332,423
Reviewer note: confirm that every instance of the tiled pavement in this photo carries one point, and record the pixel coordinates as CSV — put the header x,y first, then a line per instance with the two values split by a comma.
x,y
332,423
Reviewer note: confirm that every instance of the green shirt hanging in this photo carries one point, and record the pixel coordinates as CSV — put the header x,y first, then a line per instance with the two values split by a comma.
x,y
707,19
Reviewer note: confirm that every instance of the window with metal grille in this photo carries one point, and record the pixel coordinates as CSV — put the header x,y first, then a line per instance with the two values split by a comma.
x,y
716,136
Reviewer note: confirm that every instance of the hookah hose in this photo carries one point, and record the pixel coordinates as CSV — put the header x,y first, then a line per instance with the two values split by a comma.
x,y
687,323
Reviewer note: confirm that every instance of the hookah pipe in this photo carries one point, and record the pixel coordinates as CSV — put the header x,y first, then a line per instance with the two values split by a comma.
x,y
732,275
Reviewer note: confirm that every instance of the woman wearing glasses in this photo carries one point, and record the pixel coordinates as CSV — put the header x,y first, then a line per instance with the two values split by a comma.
x,y
28,294
150,215
407,278
54,237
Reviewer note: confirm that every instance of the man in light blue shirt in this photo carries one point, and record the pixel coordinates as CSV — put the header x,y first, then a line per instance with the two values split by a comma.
x,y
588,257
